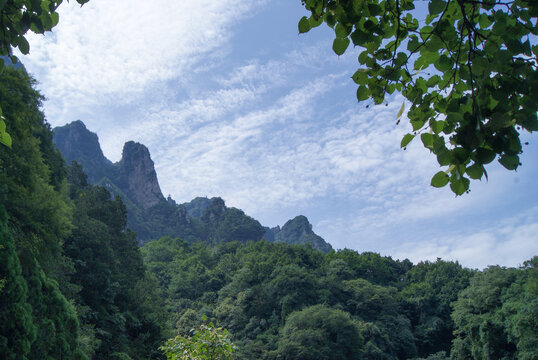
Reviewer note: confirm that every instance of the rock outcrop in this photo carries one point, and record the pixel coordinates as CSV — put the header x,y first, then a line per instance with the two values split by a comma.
x,y
137,176
297,231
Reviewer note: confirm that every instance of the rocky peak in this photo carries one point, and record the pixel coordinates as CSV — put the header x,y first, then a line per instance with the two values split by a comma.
x,y
299,231
138,176
197,206
298,226
214,211
78,143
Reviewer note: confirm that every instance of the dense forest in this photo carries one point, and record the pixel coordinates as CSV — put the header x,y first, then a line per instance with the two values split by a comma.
x,y
74,284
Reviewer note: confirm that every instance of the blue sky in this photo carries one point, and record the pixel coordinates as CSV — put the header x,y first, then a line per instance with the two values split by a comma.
x,y
232,102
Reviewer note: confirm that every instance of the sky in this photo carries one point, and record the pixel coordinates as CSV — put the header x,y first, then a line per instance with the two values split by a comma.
x,y
232,101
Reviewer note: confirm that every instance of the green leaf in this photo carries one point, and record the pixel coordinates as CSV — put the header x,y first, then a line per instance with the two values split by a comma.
x,y
460,185
484,21
484,156
406,140
440,179
363,57
436,6
511,162
55,18
437,126
23,45
315,22
444,157
360,77
341,31
2,126
475,171
304,25
363,93
340,45
5,139
427,140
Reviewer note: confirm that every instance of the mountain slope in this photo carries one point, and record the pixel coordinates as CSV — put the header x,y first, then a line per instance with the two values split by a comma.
x,y
152,216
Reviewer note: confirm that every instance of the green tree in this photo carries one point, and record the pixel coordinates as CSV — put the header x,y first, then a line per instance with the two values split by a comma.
x,y
206,342
17,332
468,69
318,333
495,317
119,303
32,185
431,288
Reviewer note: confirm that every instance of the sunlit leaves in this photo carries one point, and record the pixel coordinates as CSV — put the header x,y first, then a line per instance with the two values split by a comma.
x,y
204,342
468,69
5,138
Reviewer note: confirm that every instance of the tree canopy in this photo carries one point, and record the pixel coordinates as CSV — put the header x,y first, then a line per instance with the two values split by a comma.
x,y
468,69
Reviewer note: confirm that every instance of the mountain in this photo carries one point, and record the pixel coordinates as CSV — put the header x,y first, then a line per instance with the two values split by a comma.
x,y
152,216
297,231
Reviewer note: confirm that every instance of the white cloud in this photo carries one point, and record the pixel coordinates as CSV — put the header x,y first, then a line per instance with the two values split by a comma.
x,y
111,52
509,245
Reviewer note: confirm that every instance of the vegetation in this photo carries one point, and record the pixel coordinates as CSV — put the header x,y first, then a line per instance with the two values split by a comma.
x,y
468,69
73,282
206,342
75,285
283,301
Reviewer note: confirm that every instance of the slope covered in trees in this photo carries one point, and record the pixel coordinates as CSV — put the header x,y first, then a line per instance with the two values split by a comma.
x,y
283,301
73,284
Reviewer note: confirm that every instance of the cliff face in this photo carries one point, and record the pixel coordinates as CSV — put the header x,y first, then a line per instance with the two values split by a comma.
x,y
134,174
137,174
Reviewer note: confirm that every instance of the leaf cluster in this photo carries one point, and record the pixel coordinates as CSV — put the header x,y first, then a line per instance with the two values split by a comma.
x,y
205,342
468,69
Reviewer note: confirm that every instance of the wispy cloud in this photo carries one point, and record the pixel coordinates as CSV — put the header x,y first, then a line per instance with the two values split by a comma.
x,y
111,52
508,244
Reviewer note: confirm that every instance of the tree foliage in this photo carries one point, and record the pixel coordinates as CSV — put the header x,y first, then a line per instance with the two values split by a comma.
x,y
319,332
495,317
468,69
206,342
118,301
37,319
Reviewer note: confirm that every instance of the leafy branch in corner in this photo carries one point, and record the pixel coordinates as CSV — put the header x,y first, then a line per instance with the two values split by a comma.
x,y
473,86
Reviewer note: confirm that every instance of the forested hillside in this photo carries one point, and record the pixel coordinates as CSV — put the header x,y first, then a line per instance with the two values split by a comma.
x,y
285,301
74,284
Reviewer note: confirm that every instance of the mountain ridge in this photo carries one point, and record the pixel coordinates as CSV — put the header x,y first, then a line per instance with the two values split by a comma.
x,y
153,216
